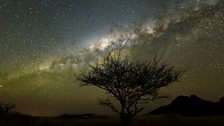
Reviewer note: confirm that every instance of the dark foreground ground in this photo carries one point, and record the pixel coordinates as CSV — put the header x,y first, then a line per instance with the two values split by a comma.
x,y
149,120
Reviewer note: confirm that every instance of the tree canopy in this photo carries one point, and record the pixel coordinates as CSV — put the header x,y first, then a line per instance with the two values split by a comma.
x,y
130,83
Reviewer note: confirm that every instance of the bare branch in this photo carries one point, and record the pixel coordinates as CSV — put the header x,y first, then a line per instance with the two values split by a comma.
x,y
109,104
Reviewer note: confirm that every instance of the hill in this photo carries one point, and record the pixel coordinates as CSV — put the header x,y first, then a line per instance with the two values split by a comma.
x,y
191,106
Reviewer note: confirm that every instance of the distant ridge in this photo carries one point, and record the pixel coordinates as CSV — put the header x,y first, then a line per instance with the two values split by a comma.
x,y
78,116
191,106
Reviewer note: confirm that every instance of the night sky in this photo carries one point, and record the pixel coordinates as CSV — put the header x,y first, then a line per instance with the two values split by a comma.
x,y
45,44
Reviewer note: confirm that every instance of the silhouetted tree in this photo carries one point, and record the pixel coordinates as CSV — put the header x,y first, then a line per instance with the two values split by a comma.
x,y
5,108
129,82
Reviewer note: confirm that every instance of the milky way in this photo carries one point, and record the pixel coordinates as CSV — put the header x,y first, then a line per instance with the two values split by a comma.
x,y
45,44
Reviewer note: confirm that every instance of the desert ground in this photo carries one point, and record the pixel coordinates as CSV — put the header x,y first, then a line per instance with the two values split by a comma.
x,y
144,120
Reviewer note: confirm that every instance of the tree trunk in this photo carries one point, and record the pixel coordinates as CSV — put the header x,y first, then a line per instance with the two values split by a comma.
x,y
125,117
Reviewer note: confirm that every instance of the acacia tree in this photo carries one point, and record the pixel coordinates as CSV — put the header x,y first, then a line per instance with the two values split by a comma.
x,y
128,82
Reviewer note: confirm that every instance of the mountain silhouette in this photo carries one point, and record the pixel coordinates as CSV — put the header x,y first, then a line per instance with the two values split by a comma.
x,y
192,106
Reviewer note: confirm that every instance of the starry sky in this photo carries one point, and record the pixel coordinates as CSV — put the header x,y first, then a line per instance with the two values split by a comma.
x,y
45,44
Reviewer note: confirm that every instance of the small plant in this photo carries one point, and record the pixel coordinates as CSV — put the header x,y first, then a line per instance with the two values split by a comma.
x,y
5,109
